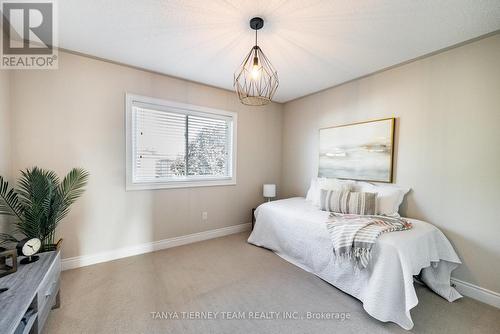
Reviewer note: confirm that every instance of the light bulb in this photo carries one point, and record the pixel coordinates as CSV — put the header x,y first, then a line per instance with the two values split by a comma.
x,y
255,68
255,72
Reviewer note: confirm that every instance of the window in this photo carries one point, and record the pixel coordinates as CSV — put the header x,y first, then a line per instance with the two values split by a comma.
x,y
173,145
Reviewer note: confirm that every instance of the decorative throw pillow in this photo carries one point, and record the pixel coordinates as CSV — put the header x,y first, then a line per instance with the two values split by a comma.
x,y
333,200
347,202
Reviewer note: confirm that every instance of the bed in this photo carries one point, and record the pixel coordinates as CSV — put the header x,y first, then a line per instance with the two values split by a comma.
x,y
295,230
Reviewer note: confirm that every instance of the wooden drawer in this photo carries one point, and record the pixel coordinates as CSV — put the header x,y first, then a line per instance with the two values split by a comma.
x,y
43,312
49,286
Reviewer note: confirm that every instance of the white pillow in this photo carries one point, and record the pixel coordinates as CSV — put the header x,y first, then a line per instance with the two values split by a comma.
x,y
314,192
389,196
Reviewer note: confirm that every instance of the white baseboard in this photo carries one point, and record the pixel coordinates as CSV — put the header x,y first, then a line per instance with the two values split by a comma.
x,y
476,292
86,260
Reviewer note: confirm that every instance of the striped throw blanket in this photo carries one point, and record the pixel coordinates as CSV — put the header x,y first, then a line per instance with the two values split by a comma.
x,y
353,236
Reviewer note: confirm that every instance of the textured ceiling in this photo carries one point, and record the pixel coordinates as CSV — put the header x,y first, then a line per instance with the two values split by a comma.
x,y
313,44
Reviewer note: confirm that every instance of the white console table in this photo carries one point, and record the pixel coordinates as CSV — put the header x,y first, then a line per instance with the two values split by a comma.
x,y
33,290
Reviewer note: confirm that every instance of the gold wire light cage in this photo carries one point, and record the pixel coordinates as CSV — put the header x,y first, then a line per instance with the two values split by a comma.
x,y
256,80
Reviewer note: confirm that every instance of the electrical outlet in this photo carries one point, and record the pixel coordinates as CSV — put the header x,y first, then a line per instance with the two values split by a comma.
x,y
204,216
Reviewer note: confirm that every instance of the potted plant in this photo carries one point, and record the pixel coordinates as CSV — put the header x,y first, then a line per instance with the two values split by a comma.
x,y
39,203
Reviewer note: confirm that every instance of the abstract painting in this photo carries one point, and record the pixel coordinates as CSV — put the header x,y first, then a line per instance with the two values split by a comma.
x,y
359,151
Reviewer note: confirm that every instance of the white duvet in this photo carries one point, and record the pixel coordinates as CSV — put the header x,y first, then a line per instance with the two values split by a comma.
x,y
295,230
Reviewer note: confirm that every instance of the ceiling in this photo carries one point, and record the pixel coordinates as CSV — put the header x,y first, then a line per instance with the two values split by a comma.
x,y
313,44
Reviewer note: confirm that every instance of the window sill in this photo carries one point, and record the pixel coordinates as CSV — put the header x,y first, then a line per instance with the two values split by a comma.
x,y
179,184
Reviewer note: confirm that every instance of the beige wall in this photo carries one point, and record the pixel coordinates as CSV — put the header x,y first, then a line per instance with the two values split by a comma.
x,y
5,159
75,116
5,123
448,138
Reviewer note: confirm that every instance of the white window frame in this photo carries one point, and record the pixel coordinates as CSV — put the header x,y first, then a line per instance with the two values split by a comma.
x,y
189,109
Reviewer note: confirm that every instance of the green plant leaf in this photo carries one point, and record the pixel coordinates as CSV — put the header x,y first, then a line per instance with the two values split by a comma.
x,y
36,189
70,189
9,201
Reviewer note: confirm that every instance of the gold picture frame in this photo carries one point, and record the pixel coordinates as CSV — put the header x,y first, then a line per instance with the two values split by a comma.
x,y
358,151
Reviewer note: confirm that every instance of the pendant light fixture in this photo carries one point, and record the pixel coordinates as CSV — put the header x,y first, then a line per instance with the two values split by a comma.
x,y
256,80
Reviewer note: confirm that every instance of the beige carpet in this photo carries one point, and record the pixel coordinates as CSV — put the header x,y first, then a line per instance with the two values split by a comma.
x,y
229,275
